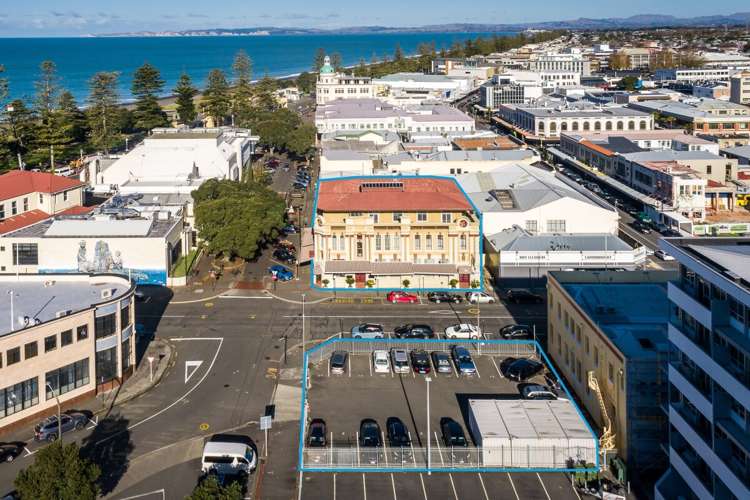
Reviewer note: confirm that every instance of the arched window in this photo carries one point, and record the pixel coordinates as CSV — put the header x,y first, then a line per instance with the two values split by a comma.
x,y
541,126
631,125
387,241
333,242
378,242
620,126
396,242
428,242
575,126
440,243
608,125
463,242
417,242
553,127
597,125
564,126
586,126
643,125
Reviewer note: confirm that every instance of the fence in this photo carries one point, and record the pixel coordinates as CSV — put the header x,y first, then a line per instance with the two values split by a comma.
x,y
522,457
516,348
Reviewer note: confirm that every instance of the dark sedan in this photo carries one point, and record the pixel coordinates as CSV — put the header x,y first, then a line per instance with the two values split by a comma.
x,y
523,296
438,297
317,436
515,332
369,434
414,332
284,256
10,451
420,361
520,369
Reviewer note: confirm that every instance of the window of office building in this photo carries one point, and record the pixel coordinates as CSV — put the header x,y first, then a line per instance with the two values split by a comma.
x,y
67,378
30,350
106,365
19,396
13,356
50,343
105,326
82,332
125,317
25,254
66,338
556,226
531,226
126,354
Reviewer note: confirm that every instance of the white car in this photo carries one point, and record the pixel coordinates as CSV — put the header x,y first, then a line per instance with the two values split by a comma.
x,y
381,362
479,298
663,255
463,331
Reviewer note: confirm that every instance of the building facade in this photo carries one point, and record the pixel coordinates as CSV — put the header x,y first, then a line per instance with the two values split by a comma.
x,y
739,88
611,326
332,85
709,371
377,232
72,336
573,62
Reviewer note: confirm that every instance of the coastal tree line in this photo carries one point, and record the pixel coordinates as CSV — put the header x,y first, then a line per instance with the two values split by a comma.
x,y
52,129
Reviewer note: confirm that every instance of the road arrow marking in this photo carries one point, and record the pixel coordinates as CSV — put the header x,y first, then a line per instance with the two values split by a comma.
x,y
95,422
190,368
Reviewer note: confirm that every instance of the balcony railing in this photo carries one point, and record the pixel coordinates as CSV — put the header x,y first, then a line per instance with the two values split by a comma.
x,y
695,464
700,425
694,376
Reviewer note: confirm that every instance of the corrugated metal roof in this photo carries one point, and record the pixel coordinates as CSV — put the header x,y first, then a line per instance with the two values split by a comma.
x,y
99,228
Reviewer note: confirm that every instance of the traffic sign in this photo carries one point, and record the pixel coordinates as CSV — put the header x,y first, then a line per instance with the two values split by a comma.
x,y
265,422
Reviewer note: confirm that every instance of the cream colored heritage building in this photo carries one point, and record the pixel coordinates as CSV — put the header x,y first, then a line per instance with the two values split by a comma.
x,y
332,85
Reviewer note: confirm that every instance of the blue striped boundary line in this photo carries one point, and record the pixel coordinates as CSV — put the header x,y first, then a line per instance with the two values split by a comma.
x,y
538,348
379,289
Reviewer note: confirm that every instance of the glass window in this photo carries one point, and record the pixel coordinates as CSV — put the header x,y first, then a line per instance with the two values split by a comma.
x,y
428,242
556,226
387,242
13,356
375,218
26,204
13,208
440,242
66,338
397,216
422,216
106,365
67,378
341,242
82,332
19,396
125,317
397,242
2,211
446,217
50,343
531,226
378,242
417,242
25,254
463,242
105,326
126,354
30,350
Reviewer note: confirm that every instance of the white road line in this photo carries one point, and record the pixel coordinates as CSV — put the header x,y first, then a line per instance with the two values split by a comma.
x,y
370,365
299,489
266,297
208,370
574,488
364,486
334,486
455,494
393,484
514,486
440,452
95,422
29,453
349,362
496,368
413,455
424,491
481,481
543,487
163,494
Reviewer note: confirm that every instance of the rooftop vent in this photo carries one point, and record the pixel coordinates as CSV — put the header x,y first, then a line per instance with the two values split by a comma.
x,y
107,293
381,186
63,313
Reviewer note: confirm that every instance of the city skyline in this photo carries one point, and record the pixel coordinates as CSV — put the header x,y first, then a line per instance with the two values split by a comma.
x,y
85,17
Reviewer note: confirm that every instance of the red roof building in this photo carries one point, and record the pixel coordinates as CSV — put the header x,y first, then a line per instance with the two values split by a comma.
x,y
20,182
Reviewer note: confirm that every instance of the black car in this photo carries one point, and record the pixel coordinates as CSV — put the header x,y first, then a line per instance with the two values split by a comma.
x,y
369,434
298,185
9,451
283,256
453,433
317,435
338,362
520,369
414,332
515,332
420,361
398,435
438,297
523,296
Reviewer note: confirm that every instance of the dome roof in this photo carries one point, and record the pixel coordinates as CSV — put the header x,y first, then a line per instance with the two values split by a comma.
x,y
327,68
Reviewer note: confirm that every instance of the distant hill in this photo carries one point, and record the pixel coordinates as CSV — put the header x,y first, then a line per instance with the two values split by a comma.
x,y
632,22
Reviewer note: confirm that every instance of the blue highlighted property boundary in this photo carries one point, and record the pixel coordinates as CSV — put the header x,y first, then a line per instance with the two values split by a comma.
x,y
379,289
538,348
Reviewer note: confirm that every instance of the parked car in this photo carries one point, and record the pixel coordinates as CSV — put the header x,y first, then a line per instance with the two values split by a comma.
x,y
397,433
463,331
462,360
523,296
47,429
299,185
414,332
369,434
400,360
283,255
401,297
338,362
281,272
515,332
289,229
479,298
367,331
317,435
380,361
663,255
453,433
537,391
442,362
520,369
644,229
9,451
420,361
229,456
438,297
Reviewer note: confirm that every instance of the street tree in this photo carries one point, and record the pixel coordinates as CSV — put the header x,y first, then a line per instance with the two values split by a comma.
x,y
265,94
618,61
102,113
306,82
210,489
185,92
216,98
242,93
59,472
146,86
301,141
235,218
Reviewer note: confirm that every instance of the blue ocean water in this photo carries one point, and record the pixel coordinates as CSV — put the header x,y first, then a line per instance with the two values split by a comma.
x,y
77,59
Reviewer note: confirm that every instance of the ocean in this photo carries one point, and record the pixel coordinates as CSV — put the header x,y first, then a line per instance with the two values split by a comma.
x,y
77,59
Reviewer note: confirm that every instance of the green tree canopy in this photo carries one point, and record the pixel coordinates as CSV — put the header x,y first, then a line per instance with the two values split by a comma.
x,y
318,59
236,217
185,92
306,82
146,86
210,489
59,472
103,111
336,61
216,98
242,93
21,129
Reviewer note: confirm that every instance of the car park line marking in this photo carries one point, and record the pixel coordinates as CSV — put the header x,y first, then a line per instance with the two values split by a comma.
x,y
513,486
481,481
94,423
349,363
424,491
440,452
364,486
334,486
543,487
407,316
299,491
370,365
476,369
455,494
496,368
29,453
414,455
190,368
393,485
163,494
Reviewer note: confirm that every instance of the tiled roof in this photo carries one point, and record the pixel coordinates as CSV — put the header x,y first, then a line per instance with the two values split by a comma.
x,y
389,194
597,148
20,182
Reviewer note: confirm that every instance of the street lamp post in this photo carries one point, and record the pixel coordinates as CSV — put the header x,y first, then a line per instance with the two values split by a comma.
x,y
429,471
59,419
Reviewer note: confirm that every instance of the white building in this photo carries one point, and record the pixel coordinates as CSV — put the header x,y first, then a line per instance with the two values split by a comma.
x,y
406,88
740,88
332,85
725,60
574,62
536,200
375,114
693,74
709,388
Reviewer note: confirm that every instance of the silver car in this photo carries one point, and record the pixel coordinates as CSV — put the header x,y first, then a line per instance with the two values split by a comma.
x,y
400,360
367,331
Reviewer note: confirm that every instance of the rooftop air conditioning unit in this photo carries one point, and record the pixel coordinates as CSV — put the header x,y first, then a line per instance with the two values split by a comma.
x,y
49,283
106,293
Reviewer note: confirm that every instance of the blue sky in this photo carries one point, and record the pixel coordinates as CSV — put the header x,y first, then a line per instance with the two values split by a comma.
x,y
81,17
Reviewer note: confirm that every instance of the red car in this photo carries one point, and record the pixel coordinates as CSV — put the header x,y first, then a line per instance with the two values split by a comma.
x,y
398,297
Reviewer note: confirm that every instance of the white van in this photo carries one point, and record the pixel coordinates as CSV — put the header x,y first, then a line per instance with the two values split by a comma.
x,y
227,455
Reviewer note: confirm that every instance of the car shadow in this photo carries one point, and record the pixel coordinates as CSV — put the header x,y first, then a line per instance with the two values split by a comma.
x,y
149,310
109,446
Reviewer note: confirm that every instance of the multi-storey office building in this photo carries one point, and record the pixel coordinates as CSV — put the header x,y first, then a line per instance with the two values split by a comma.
x,y
709,372
70,336
739,88
332,85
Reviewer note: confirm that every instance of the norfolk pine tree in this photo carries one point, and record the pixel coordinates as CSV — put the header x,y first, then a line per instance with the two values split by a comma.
x,y
216,98
146,86
102,113
185,92
52,134
318,59
242,94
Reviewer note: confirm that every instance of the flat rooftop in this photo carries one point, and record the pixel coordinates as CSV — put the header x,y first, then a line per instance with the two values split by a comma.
x,y
41,297
730,257
59,227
